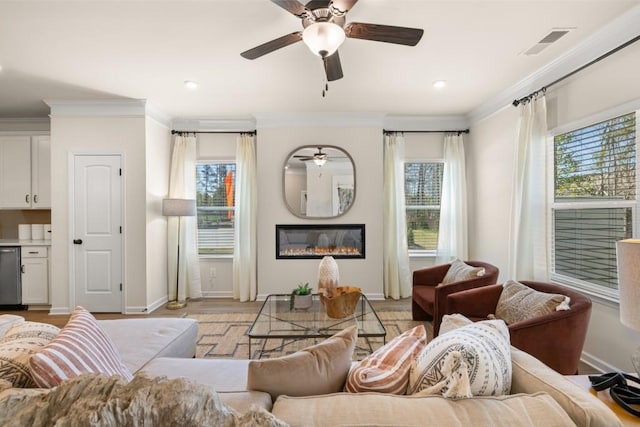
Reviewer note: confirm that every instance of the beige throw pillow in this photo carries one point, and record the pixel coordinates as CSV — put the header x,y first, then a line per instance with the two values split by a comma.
x,y
460,271
319,369
518,302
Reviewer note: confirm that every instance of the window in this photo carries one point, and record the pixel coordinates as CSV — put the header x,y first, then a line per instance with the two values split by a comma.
x,y
215,201
594,201
423,188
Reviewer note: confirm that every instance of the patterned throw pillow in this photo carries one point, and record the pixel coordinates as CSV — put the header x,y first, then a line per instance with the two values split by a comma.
x,y
20,342
81,347
460,271
518,302
474,360
386,370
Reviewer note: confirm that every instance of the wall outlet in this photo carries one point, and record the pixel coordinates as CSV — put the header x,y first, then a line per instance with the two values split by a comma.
x,y
212,272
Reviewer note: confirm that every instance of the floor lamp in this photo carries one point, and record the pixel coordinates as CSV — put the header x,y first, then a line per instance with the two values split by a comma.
x,y
629,286
178,208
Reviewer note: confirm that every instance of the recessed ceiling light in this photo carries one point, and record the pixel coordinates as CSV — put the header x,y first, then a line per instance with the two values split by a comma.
x,y
190,84
439,84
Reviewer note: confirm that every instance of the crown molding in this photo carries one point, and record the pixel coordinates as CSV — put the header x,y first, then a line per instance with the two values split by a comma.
x,y
20,123
425,123
230,124
276,120
154,113
614,34
97,107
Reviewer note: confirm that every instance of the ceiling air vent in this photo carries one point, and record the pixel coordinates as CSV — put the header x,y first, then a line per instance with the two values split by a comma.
x,y
553,36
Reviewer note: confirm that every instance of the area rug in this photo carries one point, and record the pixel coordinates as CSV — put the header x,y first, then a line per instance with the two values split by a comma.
x,y
224,336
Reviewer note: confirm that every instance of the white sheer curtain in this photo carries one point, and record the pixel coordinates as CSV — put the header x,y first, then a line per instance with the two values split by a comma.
x,y
245,229
397,275
528,255
182,185
452,233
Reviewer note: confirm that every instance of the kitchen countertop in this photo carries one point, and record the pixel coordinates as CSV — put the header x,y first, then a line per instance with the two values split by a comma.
x,y
17,242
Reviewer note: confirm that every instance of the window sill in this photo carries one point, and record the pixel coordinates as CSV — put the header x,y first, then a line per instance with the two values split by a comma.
x,y
610,298
225,256
422,254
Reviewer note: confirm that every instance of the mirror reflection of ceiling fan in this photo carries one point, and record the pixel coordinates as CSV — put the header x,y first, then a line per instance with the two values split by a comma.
x,y
318,158
325,30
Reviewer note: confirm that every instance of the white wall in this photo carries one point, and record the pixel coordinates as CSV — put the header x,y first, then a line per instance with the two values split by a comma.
x,y
365,147
606,85
157,157
88,134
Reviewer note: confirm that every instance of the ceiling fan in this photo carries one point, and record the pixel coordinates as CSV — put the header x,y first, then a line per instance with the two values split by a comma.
x,y
325,30
318,158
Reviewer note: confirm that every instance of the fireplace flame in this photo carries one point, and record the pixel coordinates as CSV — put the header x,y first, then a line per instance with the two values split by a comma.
x,y
344,250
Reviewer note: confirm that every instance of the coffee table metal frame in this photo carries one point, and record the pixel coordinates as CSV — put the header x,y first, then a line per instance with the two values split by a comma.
x,y
276,320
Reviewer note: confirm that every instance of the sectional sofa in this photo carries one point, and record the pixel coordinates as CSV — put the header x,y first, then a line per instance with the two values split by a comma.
x,y
539,395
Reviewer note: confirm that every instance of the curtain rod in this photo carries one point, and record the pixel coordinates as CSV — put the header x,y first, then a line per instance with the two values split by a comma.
x,y
458,131
528,98
182,132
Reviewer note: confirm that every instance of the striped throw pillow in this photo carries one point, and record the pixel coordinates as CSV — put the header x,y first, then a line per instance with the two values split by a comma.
x,y
81,347
387,369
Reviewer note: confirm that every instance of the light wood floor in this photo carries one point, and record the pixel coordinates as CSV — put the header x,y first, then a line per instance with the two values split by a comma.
x,y
200,306
217,305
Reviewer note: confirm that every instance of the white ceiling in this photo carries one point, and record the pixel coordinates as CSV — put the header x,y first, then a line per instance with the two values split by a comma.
x,y
57,49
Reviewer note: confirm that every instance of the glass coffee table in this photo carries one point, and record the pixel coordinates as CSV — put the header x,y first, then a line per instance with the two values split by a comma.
x,y
276,320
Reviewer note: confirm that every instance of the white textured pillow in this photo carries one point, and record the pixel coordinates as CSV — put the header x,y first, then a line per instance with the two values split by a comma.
x,y
474,360
460,271
518,302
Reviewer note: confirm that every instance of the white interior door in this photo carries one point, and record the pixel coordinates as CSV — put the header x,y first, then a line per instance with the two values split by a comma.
x,y
97,232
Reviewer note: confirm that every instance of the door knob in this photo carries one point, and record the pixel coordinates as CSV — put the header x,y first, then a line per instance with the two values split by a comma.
x,y
77,241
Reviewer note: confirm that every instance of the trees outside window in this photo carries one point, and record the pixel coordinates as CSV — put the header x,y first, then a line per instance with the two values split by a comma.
x,y
215,201
422,188
594,200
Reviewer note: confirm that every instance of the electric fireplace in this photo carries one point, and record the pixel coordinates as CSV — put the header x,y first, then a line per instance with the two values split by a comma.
x,y
319,240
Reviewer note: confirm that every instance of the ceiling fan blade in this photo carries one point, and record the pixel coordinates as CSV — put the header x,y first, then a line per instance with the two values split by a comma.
x,y
384,33
272,45
292,6
340,7
332,67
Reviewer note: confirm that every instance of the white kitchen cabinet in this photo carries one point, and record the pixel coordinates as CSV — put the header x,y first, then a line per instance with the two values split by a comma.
x,y
15,172
35,275
40,172
25,172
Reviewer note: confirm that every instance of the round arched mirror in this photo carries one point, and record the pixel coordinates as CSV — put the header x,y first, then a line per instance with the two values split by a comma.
x,y
318,181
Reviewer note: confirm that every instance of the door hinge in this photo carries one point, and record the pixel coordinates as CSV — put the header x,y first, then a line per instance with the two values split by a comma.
x,y
120,229
120,171
120,287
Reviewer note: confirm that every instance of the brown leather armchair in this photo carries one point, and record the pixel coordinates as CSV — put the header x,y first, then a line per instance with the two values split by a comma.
x,y
429,295
556,339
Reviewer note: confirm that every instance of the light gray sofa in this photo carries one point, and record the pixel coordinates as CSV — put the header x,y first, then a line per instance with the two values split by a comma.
x,y
539,395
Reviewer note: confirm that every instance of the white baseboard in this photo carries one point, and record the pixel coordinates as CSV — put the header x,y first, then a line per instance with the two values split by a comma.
x,y
597,363
375,297
135,310
157,304
217,294
60,310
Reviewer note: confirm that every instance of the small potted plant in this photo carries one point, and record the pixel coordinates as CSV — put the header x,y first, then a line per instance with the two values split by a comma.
x,y
301,298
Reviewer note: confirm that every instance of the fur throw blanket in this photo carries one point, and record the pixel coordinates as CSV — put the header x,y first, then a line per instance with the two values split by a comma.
x,y
97,400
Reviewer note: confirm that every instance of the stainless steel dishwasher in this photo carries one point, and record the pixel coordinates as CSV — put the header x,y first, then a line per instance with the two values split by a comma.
x,y
10,276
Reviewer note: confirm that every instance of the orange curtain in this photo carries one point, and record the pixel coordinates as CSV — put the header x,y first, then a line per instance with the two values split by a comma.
x,y
228,184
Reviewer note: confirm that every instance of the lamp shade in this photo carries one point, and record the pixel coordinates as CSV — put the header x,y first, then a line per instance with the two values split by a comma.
x,y
323,38
178,207
628,252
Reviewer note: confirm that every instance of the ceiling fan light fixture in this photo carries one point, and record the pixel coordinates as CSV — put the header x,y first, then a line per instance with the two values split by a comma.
x,y
320,161
323,38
